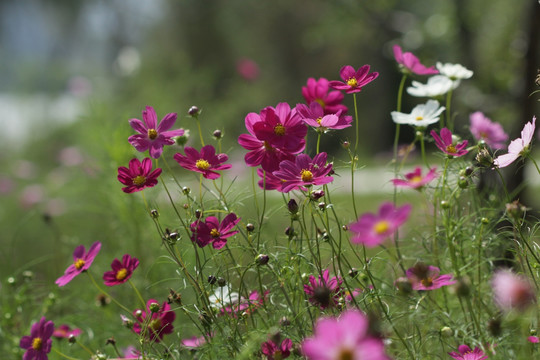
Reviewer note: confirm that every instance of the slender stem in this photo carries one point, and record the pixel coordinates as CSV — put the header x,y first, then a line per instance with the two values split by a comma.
x,y
356,121
137,292
200,132
449,122
318,140
64,355
106,293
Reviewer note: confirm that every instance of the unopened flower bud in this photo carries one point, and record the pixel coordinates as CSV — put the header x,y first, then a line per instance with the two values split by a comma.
x,y
346,144
127,322
194,111
316,195
250,227
185,206
484,220
174,236
289,231
182,139
494,327
292,206
111,341
103,300
445,204
138,313
217,134
262,259
447,332
154,307
154,213
533,332
198,213
516,210
463,183
221,282
28,275
174,297
284,321
463,287
344,227
186,190
469,170
537,80
11,280
353,272
72,339
404,285
212,279
322,205
484,158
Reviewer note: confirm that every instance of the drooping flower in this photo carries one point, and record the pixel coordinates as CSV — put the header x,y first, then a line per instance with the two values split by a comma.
x,y
313,115
491,133
212,231
274,351
138,176
152,136
319,91
205,162
346,337
372,229
518,147
421,116
353,80
323,291
465,353
304,172
415,180
410,63
121,271
512,291
454,71
65,332
436,85
38,343
81,262
160,323
424,277
446,144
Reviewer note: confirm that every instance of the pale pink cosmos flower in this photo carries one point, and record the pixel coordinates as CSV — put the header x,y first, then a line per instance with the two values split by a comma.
x,y
465,353
313,115
319,91
410,63
152,136
206,162
518,147
194,342
304,172
423,277
415,180
446,144
346,337
511,291
81,262
490,132
353,80
533,339
372,229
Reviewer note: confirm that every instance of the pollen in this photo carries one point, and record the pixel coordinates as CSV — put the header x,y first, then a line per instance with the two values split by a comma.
x,y
418,118
306,175
202,164
346,354
155,325
427,282
37,343
451,149
79,264
352,82
152,134
381,227
214,233
279,130
321,102
319,121
416,179
139,180
121,274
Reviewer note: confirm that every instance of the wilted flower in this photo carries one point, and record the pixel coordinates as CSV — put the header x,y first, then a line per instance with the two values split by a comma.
x,y
354,80
423,277
38,344
205,162
484,129
465,353
409,63
454,71
437,85
212,231
160,321
121,271
511,291
415,180
81,262
139,175
518,147
304,172
421,116
446,144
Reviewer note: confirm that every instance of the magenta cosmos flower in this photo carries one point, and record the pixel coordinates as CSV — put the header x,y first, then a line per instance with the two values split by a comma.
x,y
274,351
304,172
194,342
313,115
423,277
346,337
518,147
490,132
410,63
354,80
38,344
81,262
372,229
121,271
446,145
205,162
415,180
511,291
533,339
269,181
465,353
65,332
161,320
152,136
323,291
212,231
319,91
138,176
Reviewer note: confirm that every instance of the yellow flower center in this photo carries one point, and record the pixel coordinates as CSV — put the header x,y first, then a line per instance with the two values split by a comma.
x,y
352,82
451,149
381,227
121,274
306,175
346,354
416,179
155,325
418,118
79,264
427,282
279,130
37,343
483,135
214,233
152,134
139,180
202,164
321,102
319,120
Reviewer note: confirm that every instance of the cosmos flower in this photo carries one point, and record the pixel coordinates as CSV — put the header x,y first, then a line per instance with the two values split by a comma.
x,y
269,181
415,180
454,71
64,332
319,91
313,115
436,85
421,116
212,231
121,271
323,291
511,291
38,343
161,319
138,176
206,162
518,147
353,80
465,353
533,339
446,144
484,129
151,135
81,262
245,306
410,63
194,342
274,351
423,277
304,172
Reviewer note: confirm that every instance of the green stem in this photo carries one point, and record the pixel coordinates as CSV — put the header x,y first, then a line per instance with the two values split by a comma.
x,y
449,122
106,293
64,355
200,132
137,292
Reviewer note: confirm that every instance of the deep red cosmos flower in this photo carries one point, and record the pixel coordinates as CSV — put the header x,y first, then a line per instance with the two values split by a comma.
x,y
212,231
81,262
274,351
160,323
353,80
38,344
121,271
205,162
138,176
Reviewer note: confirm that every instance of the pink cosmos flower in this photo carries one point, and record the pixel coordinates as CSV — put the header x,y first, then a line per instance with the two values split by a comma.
x,y
81,262
354,80
484,129
273,351
465,353
446,145
206,162
372,229
245,306
319,91
248,69
410,63
151,135
533,339
323,291
511,291
424,277
415,180
64,332
160,321
121,271
194,342
269,181
212,231
314,116
304,172
518,147
139,175
346,337
39,343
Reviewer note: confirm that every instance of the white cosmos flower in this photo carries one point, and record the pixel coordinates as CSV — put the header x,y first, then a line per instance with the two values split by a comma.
x,y
436,86
223,297
421,116
454,71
